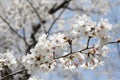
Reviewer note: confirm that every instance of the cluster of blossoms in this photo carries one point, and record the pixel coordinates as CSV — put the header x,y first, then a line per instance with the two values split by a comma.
x,y
85,29
21,14
84,26
42,55
66,50
83,45
58,50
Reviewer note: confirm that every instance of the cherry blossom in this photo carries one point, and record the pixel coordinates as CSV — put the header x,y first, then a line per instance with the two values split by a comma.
x,y
8,59
37,50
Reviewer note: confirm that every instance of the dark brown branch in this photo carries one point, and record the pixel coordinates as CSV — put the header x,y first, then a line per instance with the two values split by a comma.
x,y
13,74
88,42
112,42
62,5
6,71
70,43
35,29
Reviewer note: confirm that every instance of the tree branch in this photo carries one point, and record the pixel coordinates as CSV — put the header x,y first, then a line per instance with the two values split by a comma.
x,y
88,42
13,74
83,50
14,30
73,53
35,29
57,19
42,21
62,5
55,59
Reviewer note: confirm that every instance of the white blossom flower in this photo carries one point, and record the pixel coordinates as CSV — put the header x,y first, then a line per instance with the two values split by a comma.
x,y
83,26
8,59
103,28
62,50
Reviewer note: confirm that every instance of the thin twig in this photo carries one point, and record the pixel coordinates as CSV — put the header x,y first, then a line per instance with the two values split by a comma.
x,y
24,35
70,44
82,50
111,42
82,10
56,20
14,30
88,42
73,53
35,10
